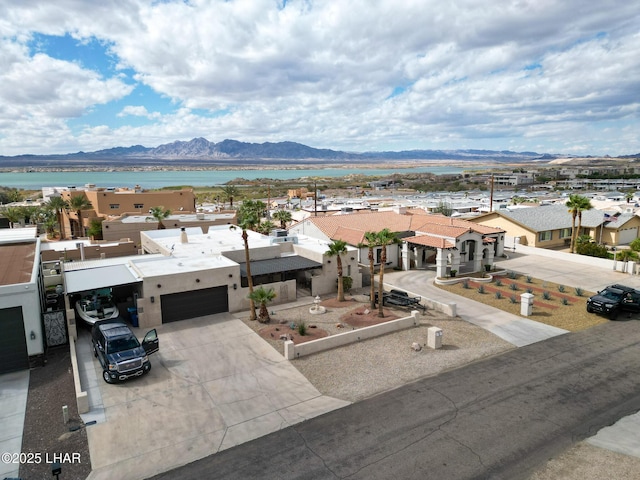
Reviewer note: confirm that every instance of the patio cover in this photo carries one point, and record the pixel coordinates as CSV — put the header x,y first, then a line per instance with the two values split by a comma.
x,y
96,278
290,263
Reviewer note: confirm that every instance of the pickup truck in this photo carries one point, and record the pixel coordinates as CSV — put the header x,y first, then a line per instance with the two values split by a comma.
x,y
120,353
614,299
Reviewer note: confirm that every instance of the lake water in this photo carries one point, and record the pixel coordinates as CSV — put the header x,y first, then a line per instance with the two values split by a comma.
x,y
165,178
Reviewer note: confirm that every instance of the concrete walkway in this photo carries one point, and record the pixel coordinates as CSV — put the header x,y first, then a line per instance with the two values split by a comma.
x,y
14,388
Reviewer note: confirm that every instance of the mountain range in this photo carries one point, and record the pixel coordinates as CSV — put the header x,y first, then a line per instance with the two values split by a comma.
x,y
202,152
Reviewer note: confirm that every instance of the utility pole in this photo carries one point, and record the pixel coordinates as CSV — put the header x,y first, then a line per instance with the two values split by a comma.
x,y
268,202
491,196
315,198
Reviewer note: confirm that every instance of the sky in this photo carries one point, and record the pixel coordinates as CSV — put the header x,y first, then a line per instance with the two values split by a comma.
x,y
356,75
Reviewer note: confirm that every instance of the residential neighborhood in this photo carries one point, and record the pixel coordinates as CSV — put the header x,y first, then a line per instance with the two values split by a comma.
x,y
163,259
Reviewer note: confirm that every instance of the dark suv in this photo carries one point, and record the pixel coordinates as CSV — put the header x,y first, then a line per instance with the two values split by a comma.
x,y
613,300
119,351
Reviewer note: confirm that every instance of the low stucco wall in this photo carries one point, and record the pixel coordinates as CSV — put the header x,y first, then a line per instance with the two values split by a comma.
x,y
292,350
82,399
628,267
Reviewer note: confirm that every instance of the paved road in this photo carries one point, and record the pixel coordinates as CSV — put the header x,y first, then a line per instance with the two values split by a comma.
x,y
499,418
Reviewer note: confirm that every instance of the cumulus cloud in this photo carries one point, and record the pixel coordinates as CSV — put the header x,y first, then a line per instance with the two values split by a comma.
x,y
357,75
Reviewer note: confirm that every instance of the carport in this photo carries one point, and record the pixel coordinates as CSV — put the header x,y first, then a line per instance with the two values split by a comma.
x,y
120,278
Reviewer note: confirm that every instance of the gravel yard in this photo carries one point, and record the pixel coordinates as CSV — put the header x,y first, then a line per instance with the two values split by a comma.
x,y
360,370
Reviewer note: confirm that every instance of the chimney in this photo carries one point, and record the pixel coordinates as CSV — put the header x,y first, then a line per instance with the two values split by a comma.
x,y
183,235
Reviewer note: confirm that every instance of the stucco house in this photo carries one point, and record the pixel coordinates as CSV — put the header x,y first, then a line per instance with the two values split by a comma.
x,y
437,241
549,226
187,273
21,299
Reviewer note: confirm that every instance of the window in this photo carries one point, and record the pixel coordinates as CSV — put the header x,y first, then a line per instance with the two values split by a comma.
x,y
378,255
544,236
138,205
565,233
114,206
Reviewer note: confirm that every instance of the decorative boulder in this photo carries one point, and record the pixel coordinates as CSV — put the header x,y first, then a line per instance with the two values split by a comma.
x,y
416,346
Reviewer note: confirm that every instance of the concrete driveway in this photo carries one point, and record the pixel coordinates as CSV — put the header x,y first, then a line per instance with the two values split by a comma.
x,y
214,384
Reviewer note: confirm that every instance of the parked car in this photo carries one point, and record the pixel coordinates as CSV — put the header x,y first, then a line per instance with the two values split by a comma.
x,y
120,353
613,300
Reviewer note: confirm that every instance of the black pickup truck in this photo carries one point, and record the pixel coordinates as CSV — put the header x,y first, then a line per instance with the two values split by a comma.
x,y
613,300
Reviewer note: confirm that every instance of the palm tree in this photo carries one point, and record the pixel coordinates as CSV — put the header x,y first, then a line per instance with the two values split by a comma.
x,y
79,203
248,220
338,248
265,227
263,296
159,214
283,216
58,204
230,191
13,214
385,237
577,204
629,196
371,241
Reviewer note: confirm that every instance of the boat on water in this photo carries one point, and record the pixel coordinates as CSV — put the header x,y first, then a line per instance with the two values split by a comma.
x,y
94,307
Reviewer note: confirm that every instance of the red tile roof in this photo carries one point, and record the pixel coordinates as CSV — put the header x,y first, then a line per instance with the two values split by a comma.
x,y
352,227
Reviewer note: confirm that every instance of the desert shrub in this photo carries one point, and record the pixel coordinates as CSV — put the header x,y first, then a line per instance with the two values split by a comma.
x,y
302,328
465,284
561,288
565,301
481,289
529,290
498,282
579,291
513,286
592,250
498,295
513,275
546,295
529,279
513,299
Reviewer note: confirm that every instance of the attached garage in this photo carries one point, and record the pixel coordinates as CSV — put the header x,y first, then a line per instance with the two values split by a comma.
x,y
13,344
195,303
627,235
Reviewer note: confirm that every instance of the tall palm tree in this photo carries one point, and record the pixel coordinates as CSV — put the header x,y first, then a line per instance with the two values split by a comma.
x,y
263,296
248,219
230,192
159,214
58,204
371,241
577,204
79,203
283,216
385,237
337,248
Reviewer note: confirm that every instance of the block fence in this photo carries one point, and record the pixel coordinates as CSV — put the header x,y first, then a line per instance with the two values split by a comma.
x,y
291,350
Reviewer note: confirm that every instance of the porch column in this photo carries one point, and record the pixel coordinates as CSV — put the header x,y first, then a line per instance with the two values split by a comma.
x,y
418,256
489,259
441,263
406,256
455,259
477,257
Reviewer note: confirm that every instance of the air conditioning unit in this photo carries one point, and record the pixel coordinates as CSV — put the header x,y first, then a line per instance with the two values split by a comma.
x,y
278,232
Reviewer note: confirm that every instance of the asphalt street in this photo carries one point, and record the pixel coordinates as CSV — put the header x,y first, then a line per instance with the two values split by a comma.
x,y
502,417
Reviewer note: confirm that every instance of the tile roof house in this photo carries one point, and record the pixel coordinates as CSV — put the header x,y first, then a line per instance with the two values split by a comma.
x,y
549,226
445,242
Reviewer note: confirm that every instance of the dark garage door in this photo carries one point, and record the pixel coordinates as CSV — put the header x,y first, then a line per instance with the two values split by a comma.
x,y
13,344
197,303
